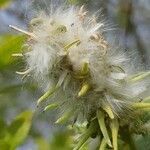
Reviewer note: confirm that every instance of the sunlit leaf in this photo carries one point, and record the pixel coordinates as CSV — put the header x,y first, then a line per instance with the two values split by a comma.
x,y
9,44
4,145
4,3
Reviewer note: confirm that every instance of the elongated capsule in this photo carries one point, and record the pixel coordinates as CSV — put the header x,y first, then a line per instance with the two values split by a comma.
x,y
52,90
24,72
109,111
85,68
50,107
139,76
84,89
49,93
17,55
64,118
141,105
71,44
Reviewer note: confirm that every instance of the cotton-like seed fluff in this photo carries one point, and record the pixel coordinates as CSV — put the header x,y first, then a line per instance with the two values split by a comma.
x,y
68,51
83,74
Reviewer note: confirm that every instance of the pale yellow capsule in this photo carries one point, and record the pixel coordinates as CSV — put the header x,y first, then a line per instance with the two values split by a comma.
x,y
139,76
109,111
84,89
76,42
141,105
50,107
46,95
64,117
24,72
85,68
17,55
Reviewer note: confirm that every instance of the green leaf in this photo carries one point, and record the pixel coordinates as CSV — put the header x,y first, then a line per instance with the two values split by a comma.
x,y
4,145
19,128
4,3
3,135
9,44
13,135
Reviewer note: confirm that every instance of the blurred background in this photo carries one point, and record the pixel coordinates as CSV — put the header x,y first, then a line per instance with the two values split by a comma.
x,y
19,128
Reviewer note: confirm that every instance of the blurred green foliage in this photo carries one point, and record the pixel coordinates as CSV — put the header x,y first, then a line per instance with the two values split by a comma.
x,y
62,141
4,3
11,136
9,44
14,134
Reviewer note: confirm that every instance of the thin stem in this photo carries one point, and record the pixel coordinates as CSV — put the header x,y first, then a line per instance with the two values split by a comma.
x,y
23,31
114,129
101,121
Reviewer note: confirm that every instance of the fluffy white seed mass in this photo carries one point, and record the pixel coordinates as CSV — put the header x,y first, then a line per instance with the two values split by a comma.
x,y
82,72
